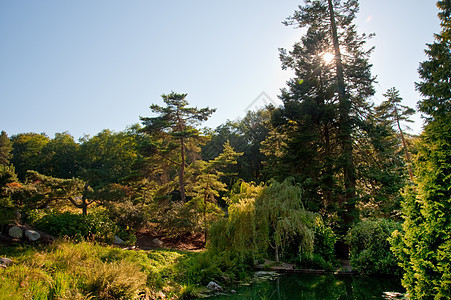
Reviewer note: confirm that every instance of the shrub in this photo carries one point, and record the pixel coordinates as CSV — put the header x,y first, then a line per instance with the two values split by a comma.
x,y
126,215
370,249
96,226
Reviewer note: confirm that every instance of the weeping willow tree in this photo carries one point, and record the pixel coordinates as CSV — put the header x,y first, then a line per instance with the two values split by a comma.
x,y
282,220
271,222
236,234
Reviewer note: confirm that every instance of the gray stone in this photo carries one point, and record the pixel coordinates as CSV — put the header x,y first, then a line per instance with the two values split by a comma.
x,y
5,261
118,240
32,235
213,286
158,242
15,232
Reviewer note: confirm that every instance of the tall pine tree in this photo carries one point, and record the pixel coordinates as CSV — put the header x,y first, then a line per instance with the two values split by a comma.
x,y
325,103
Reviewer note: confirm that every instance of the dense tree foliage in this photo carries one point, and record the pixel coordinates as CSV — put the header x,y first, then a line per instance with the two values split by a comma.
x,y
27,152
424,247
327,134
5,149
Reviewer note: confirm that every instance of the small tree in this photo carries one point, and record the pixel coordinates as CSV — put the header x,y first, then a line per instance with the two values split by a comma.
x,y
206,184
174,133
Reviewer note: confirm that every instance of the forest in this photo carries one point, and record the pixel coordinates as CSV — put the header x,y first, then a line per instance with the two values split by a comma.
x,y
326,177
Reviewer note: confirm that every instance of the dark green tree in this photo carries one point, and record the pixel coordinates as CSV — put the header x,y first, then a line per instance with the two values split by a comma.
x,y
5,149
175,138
27,152
59,156
244,135
325,104
108,157
424,246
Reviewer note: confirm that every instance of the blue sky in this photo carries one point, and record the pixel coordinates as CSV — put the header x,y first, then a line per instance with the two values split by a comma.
x,y
83,66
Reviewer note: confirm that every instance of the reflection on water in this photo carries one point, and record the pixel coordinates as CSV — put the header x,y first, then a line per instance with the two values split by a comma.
x,y
313,287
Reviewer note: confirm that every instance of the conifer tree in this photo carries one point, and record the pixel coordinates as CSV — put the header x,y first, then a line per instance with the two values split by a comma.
x,y
174,133
424,247
326,102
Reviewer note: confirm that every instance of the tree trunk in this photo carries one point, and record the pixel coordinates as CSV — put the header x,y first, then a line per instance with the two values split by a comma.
x,y
345,127
404,144
182,170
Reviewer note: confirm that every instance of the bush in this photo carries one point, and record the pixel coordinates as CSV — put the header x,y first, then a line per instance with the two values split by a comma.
x,y
323,256
127,215
96,226
370,249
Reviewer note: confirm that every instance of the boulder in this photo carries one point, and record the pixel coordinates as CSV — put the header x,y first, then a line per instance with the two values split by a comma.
x,y
213,286
118,240
15,232
32,235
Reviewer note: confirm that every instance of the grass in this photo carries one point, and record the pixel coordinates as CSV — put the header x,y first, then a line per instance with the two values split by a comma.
x,y
85,270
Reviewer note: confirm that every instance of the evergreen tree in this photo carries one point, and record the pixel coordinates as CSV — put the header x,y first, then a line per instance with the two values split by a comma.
x,y
424,247
173,133
393,112
5,149
325,103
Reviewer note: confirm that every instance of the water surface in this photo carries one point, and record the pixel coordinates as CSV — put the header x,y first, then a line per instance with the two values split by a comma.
x,y
315,287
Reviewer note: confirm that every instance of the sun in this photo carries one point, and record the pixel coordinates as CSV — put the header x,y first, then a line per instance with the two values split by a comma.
x,y
328,57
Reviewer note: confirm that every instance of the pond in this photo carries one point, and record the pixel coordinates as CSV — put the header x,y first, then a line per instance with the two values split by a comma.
x,y
315,287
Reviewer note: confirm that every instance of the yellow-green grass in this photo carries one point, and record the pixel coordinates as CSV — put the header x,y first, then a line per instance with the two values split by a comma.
x,y
67,270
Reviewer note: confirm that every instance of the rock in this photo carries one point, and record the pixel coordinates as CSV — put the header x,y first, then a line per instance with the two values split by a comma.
x,y
15,232
118,240
5,261
233,291
2,266
32,235
158,242
213,286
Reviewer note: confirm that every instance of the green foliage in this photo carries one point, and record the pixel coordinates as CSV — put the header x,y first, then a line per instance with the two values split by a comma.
x,y
177,219
282,220
27,152
244,135
108,157
370,249
127,215
96,226
272,218
175,140
59,156
218,266
423,247
5,149
323,256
